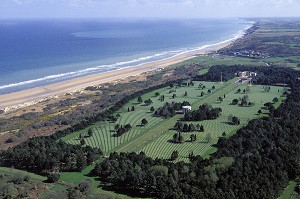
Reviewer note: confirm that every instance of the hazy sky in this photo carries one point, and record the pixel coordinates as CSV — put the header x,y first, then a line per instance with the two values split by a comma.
x,y
148,8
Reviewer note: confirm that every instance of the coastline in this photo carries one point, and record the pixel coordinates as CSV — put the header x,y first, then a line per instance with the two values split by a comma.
x,y
24,98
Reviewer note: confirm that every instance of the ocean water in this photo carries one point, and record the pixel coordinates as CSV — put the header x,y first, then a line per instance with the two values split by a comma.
x,y
40,52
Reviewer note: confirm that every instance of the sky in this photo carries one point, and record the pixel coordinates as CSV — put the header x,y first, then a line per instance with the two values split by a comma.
x,y
148,8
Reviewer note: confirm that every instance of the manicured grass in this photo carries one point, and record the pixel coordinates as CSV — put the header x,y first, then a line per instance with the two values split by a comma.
x,y
154,138
74,178
288,191
104,133
162,147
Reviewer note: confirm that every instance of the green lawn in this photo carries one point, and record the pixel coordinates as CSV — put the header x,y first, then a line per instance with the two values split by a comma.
x,y
289,191
162,147
154,138
104,133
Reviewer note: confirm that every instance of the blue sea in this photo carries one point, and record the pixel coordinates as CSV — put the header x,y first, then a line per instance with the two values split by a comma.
x,y
40,52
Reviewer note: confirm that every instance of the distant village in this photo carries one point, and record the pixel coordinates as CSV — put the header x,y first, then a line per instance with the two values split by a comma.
x,y
245,76
251,54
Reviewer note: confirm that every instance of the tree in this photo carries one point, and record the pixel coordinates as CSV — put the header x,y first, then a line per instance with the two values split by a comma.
x,y
244,102
139,100
127,127
268,105
185,93
235,102
81,136
132,108
53,177
174,95
209,91
259,111
152,109
180,138
193,137
90,132
275,100
175,137
239,90
148,102
128,110
202,94
144,122
117,126
220,99
213,87
80,161
82,142
178,126
174,155
235,120
84,186
224,134
198,127
156,94
201,128
229,119
208,138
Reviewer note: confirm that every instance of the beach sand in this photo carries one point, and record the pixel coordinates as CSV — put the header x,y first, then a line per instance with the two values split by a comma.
x,y
28,97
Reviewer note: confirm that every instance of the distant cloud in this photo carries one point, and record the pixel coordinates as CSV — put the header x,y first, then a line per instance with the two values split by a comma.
x,y
148,8
22,2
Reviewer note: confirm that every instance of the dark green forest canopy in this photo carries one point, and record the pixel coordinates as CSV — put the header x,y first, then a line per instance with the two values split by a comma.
x,y
45,155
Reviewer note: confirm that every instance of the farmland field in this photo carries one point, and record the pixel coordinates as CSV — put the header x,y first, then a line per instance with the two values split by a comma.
x,y
154,138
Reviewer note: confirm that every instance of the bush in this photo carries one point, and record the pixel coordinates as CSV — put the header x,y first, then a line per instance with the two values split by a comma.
x,y
53,177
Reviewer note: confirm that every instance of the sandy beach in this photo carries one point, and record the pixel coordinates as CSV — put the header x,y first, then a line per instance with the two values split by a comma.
x,y
24,98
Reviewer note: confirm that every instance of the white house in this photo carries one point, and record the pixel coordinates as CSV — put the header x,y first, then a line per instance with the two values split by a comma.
x,y
186,109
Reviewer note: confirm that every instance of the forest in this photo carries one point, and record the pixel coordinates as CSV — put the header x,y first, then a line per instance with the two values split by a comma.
x,y
44,155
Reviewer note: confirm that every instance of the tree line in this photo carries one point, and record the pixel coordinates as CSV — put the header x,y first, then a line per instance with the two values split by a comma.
x,y
44,155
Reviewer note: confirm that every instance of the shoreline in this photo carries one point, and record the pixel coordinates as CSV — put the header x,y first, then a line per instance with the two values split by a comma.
x,y
16,100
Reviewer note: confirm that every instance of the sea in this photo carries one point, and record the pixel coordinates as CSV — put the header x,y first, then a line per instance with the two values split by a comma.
x,y
40,52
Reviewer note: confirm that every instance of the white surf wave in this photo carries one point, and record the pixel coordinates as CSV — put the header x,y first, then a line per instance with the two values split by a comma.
x,y
124,64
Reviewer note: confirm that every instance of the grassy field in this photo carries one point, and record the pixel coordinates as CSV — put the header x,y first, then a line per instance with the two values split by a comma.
x,y
104,133
289,192
214,59
162,147
154,138
32,176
